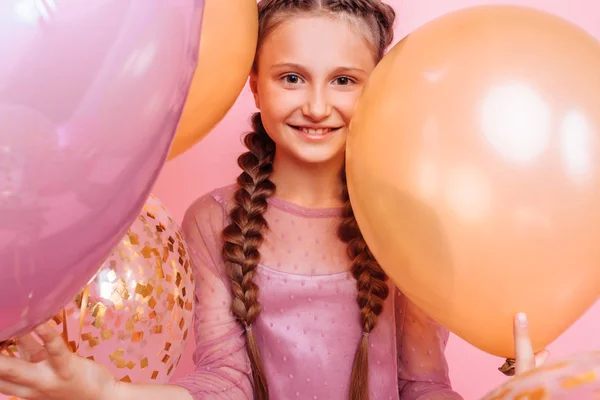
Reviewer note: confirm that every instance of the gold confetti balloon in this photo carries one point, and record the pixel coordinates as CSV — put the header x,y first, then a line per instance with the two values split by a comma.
x,y
136,314
575,377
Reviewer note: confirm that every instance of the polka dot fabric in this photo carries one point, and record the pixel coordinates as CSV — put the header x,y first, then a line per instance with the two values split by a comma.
x,y
308,330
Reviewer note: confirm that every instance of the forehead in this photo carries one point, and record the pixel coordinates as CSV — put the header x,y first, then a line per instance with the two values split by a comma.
x,y
319,42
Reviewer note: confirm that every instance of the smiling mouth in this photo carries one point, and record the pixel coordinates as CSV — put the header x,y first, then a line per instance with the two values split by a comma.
x,y
314,131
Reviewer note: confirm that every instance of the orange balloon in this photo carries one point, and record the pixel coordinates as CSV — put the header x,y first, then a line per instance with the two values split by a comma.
x,y
473,166
227,48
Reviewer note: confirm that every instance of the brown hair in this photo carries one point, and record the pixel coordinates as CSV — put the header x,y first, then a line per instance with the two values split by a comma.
x,y
244,235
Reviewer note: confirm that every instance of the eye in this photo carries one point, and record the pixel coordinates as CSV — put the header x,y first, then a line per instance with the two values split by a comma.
x,y
343,80
292,79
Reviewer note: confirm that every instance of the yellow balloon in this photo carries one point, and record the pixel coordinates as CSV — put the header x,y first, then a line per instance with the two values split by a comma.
x,y
227,48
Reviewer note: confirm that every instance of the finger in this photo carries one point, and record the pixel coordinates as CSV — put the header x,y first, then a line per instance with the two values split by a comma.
x,y
541,358
30,349
59,355
524,357
17,371
14,390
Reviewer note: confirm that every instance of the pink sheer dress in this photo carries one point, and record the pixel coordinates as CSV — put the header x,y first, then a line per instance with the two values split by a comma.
x,y
308,330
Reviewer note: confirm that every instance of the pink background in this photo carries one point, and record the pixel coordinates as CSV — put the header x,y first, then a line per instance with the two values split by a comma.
x,y
213,163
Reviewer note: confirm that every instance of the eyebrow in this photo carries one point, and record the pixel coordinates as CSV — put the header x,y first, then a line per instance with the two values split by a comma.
x,y
298,67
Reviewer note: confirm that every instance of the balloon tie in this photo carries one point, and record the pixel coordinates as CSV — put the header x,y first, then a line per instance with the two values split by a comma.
x,y
508,368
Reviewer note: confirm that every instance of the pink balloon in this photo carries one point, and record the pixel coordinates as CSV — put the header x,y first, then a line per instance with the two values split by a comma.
x,y
90,96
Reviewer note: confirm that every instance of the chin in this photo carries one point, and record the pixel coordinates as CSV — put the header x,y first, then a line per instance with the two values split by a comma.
x,y
323,157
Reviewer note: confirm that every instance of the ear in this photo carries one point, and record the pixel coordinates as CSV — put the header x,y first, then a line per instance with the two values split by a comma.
x,y
254,88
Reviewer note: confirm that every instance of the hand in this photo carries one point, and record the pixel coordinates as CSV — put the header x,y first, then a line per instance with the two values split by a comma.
x,y
49,371
525,359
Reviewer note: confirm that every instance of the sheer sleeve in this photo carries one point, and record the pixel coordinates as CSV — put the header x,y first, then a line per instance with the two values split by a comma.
x,y
422,366
222,366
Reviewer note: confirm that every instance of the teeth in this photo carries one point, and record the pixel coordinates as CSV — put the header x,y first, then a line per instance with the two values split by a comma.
x,y
315,131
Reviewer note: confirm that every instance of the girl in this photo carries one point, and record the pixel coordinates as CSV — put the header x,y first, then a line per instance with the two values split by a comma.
x,y
290,302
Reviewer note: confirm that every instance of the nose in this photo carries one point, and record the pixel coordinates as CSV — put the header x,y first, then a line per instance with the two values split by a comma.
x,y
317,107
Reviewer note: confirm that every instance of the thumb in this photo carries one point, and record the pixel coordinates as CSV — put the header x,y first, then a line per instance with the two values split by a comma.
x,y
30,349
541,357
59,355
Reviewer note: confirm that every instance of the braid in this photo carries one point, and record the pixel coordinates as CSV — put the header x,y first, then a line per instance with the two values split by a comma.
x,y
244,236
372,293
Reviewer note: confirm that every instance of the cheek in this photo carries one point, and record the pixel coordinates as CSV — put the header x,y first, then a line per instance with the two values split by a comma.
x,y
278,102
346,105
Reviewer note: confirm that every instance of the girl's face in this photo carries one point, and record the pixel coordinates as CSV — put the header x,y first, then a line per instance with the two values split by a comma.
x,y
310,73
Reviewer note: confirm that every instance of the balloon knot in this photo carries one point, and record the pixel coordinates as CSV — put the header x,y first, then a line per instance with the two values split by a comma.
x,y
508,368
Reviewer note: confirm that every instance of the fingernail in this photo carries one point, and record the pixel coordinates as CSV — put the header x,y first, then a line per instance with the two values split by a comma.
x,y
521,319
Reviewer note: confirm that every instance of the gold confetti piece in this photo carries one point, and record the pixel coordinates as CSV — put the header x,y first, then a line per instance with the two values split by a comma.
x,y
144,290
148,252
144,362
154,375
106,334
167,346
137,337
537,394
139,312
152,302
72,345
573,382
133,238
99,310
115,355
125,379
111,276
129,325
130,365
166,358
